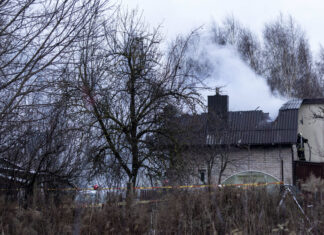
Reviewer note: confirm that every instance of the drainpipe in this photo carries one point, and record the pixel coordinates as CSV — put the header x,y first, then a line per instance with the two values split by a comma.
x,y
249,166
293,165
281,164
249,153
310,152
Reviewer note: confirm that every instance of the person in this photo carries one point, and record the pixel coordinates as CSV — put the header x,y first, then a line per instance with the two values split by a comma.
x,y
300,147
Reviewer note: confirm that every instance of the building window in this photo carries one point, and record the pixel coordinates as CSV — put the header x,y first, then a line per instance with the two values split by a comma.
x,y
202,174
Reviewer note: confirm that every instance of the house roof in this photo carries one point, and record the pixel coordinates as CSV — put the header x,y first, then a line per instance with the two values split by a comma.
x,y
292,104
256,128
252,128
246,127
313,101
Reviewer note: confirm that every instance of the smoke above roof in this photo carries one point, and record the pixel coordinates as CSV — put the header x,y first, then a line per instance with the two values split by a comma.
x,y
246,89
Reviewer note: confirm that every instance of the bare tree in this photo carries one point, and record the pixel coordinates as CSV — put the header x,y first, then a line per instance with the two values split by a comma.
x,y
126,82
233,33
320,68
288,61
197,147
213,156
212,161
36,38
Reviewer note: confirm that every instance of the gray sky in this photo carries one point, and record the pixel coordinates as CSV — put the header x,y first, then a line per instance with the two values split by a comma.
x,y
181,16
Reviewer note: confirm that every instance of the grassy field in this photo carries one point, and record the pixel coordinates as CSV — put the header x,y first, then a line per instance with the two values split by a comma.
x,y
220,211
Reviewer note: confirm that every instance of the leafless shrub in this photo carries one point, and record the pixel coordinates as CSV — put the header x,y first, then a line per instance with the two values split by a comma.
x,y
219,211
313,184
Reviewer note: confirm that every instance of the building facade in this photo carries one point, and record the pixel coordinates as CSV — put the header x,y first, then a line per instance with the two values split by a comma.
x,y
248,147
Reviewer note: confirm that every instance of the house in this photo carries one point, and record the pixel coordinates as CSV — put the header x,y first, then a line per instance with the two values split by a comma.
x,y
19,182
246,146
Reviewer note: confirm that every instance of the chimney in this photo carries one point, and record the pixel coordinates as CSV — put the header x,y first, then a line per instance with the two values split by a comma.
x,y
217,112
218,104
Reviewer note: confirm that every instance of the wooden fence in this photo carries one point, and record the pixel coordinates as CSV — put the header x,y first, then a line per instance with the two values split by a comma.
x,y
303,169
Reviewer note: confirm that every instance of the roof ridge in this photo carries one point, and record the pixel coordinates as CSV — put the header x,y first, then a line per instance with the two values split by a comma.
x,y
245,111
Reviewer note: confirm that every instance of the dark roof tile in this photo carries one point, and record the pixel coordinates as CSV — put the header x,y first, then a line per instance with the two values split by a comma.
x,y
256,128
292,104
244,127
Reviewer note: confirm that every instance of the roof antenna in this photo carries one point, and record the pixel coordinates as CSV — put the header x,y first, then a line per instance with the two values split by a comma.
x,y
218,90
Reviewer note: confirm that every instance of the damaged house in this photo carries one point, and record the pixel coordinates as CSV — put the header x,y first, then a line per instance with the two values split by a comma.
x,y
247,146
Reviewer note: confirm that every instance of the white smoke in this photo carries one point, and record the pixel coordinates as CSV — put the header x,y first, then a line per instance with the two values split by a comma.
x,y
246,90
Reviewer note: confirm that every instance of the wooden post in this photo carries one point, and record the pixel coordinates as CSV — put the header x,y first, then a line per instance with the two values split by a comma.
x,y
129,195
35,194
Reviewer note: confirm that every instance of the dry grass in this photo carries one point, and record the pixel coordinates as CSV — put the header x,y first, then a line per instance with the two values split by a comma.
x,y
225,211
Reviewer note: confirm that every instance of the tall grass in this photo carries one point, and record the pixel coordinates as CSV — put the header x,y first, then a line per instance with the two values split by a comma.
x,y
219,211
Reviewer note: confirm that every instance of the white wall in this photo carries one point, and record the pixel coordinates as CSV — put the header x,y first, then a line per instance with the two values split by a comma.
x,y
313,130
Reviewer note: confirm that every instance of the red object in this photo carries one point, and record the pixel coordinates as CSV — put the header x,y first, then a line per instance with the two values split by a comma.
x,y
95,187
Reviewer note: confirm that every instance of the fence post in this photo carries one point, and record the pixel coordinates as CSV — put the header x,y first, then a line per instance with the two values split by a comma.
x,y
35,193
129,195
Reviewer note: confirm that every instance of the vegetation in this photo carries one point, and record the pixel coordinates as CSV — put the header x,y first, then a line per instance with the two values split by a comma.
x,y
221,211
85,89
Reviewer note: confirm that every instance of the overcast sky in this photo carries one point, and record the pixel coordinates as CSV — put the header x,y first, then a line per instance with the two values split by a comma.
x,y
181,16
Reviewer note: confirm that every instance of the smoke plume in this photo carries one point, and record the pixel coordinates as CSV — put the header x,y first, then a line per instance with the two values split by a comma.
x,y
246,89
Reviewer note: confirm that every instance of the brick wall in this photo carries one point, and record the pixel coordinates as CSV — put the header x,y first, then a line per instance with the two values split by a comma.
x,y
266,160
